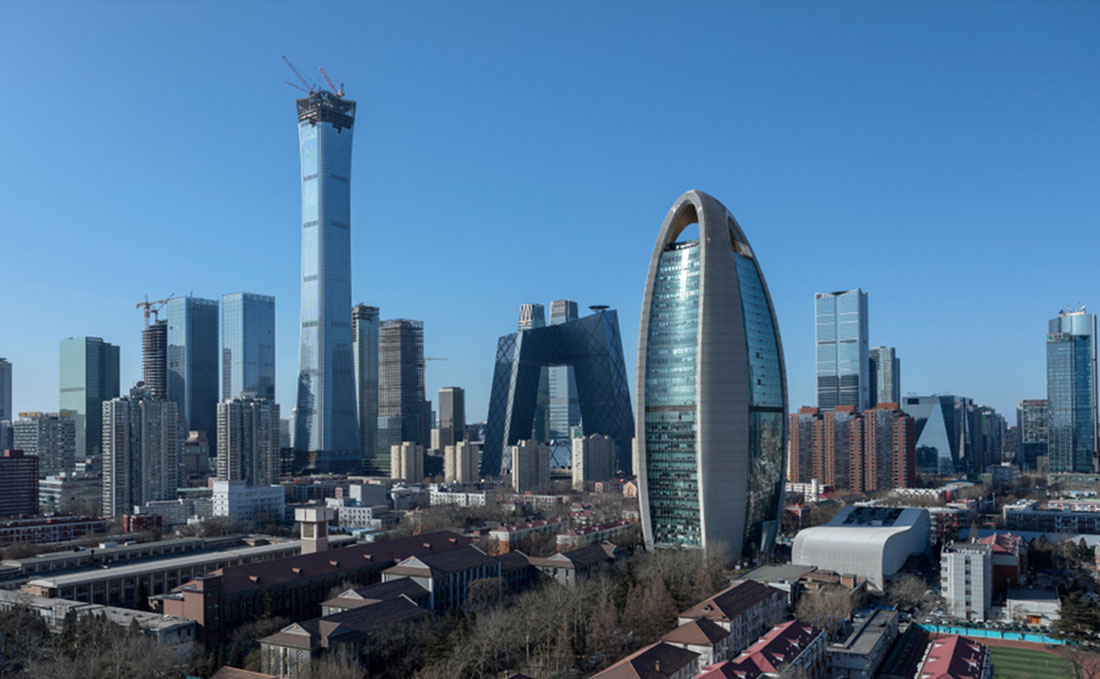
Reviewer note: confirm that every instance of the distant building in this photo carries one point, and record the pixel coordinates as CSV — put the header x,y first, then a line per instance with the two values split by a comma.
x,y
6,413
565,407
940,428
870,542
401,401
18,483
593,459
966,580
407,461
1032,423
452,416
460,463
88,376
248,345
51,437
885,375
195,455
69,493
842,362
238,501
7,435
1072,392
140,451
192,361
47,529
511,536
248,441
1069,519
530,466
364,343
154,358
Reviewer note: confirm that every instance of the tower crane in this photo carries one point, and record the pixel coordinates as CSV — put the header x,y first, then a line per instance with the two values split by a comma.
x,y
338,90
153,307
308,86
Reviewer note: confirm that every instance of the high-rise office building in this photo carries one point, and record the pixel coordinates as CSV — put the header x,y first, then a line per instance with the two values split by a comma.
x,y
407,462
140,451
985,443
154,358
248,345
248,441
460,463
565,407
711,388
940,425
593,459
842,362
452,416
530,466
884,373
1071,391
7,435
6,414
591,345
401,385
327,418
193,362
1032,421
533,317
51,437
364,341
88,376
18,483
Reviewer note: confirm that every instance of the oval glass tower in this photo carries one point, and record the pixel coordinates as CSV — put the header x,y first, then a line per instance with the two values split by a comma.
x,y
711,389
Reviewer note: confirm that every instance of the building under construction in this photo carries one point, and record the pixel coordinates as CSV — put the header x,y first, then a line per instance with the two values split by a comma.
x,y
154,352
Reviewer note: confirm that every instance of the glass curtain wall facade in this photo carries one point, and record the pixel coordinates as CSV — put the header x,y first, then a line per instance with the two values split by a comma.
x,y
193,362
88,376
401,400
6,415
248,345
533,317
364,320
154,358
712,394
452,416
565,409
1032,421
885,375
842,349
1071,392
326,414
940,428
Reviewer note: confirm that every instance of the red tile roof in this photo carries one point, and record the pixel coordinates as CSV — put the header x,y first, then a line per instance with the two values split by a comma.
x,y
776,649
953,658
1003,543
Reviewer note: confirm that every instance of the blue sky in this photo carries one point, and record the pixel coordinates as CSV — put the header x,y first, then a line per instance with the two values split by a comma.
x,y
942,156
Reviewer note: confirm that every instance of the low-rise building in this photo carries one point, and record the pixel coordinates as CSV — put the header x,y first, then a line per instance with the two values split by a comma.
x,y
966,580
567,568
1033,606
861,654
656,661
46,529
955,657
1009,552
447,576
70,492
238,501
587,535
508,537
459,498
18,483
383,591
705,637
178,512
1072,517
793,648
746,610
111,553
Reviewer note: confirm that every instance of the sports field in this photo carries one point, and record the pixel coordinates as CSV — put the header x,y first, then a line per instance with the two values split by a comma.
x,y
1023,663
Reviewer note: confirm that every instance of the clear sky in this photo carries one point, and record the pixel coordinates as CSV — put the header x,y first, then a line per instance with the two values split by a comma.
x,y
942,156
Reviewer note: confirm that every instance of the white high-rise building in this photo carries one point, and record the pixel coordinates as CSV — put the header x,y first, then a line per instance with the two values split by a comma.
x,y
248,441
593,459
966,580
460,463
140,452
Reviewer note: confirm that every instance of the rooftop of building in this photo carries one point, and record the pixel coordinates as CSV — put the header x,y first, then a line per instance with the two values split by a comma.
x,y
227,672
383,591
528,525
778,647
967,548
701,632
582,557
451,561
953,658
119,616
588,530
777,573
1004,543
733,601
346,625
1033,594
867,633
656,661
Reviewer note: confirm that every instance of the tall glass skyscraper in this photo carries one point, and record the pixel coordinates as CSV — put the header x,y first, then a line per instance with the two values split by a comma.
x,y
565,408
364,322
533,317
842,352
401,401
193,362
6,414
88,377
711,388
884,375
248,345
1032,424
1071,391
326,418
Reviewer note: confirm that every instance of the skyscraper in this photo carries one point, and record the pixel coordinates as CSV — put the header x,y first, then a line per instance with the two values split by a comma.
x,y
88,376
248,345
51,437
327,416
1071,391
452,416
154,356
842,353
364,339
939,424
565,408
533,317
530,466
18,483
193,362
884,374
1032,421
140,451
248,441
401,386
711,388
6,414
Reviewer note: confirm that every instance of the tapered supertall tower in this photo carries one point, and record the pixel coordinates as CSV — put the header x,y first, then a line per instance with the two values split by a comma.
x,y
325,424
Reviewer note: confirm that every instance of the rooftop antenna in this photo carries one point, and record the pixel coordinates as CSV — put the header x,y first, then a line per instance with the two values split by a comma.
x,y
308,87
338,90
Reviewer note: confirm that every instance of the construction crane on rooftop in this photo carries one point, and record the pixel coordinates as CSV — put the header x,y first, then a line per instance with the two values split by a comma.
x,y
153,307
308,86
338,90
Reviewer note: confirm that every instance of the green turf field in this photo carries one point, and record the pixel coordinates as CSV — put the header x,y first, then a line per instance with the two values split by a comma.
x,y
1024,663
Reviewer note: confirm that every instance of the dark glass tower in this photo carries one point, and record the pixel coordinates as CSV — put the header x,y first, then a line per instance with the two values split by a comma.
x,y
88,376
326,417
1071,391
193,362
842,355
712,392
565,408
364,320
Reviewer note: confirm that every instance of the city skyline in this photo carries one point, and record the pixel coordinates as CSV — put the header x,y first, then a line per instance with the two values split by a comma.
x,y
1010,366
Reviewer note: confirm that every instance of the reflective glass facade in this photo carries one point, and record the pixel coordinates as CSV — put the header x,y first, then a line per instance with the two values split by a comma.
x,y
327,416
711,440
1071,392
593,347
565,408
248,345
6,415
842,349
940,429
88,376
365,321
884,373
193,362
1032,421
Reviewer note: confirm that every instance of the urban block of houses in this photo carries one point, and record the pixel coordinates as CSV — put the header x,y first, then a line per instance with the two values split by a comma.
x,y
508,537
791,648
955,658
745,610
586,535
